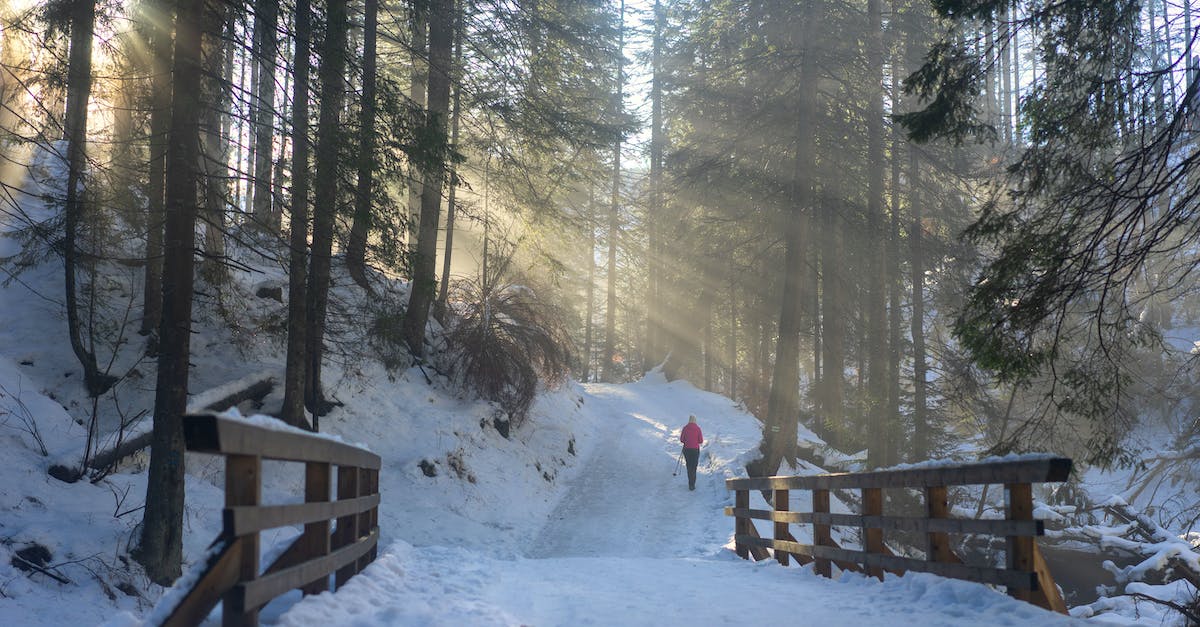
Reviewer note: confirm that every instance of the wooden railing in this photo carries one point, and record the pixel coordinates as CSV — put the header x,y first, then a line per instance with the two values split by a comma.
x,y
1025,576
231,572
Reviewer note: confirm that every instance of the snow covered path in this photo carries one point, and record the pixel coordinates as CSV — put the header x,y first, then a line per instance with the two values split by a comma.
x,y
629,544
627,502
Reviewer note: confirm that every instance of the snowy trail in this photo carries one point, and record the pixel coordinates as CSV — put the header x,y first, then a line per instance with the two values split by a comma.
x,y
629,544
626,501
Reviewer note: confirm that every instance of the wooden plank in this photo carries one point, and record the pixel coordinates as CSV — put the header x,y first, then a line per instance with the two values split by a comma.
x,y
1019,555
901,523
757,552
219,576
1049,469
243,487
242,520
315,541
742,526
822,535
872,505
257,593
1047,594
996,576
800,558
781,528
208,433
937,506
366,520
347,526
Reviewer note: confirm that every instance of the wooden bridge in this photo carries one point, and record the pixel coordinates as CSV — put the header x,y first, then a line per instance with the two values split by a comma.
x,y
1025,575
231,572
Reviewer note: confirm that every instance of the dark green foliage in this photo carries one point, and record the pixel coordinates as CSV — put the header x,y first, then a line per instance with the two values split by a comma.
x,y
503,341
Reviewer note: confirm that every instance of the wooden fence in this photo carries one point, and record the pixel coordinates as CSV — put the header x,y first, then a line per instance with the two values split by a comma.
x,y
231,573
1025,576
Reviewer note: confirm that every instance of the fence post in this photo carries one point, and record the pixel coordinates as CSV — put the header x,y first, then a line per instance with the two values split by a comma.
x,y
781,528
1020,548
347,526
243,486
821,532
872,505
741,501
317,478
937,505
365,488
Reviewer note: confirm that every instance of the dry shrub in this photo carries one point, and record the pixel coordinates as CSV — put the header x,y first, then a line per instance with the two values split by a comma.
x,y
504,340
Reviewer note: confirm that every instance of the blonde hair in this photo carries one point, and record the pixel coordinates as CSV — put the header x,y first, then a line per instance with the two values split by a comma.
x,y
692,418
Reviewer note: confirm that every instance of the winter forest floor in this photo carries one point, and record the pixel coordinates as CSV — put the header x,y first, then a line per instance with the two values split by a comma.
x,y
574,518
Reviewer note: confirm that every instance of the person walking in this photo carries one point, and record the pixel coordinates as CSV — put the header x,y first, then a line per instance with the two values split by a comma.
x,y
692,438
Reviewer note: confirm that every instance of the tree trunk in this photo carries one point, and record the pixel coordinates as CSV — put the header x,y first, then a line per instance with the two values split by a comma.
x,y
418,81
294,392
79,89
160,548
266,39
783,403
159,57
215,155
921,432
607,372
356,251
591,285
424,281
333,93
439,307
876,286
654,259
833,326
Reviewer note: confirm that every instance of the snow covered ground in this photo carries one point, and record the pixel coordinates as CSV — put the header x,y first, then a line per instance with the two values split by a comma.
x,y
576,518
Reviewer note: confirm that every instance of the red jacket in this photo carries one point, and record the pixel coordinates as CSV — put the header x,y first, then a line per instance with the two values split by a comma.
x,y
691,436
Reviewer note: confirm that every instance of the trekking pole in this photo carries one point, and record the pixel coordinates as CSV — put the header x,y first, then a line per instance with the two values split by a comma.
x,y
678,462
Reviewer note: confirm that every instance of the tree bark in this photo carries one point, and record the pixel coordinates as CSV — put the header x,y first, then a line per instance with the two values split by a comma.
x,y
356,251
160,19
654,258
160,548
607,371
424,281
294,392
418,94
439,307
876,286
591,285
333,93
79,89
266,21
783,402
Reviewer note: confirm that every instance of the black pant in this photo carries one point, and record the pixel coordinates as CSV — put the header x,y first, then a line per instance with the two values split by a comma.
x,y
692,456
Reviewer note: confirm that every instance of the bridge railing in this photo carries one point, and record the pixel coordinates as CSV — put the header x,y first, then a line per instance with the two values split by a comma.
x,y
1025,574
231,573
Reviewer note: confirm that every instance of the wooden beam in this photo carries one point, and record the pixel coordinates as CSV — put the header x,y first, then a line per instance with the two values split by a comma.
x,y
208,433
1047,469
315,541
997,576
900,523
822,535
347,526
742,526
257,593
1019,555
872,505
1047,594
937,506
242,520
243,486
780,503
220,575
